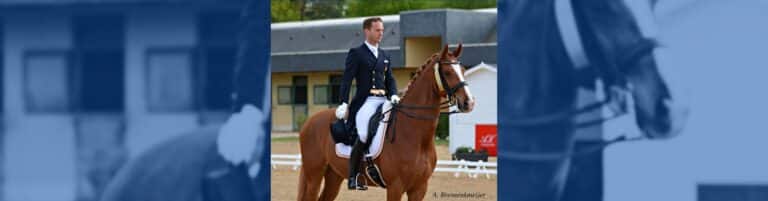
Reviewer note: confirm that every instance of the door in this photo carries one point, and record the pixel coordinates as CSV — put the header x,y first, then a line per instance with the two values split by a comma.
x,y
300,109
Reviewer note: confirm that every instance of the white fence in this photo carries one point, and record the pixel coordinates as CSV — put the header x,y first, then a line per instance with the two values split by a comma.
x,y
287,160
469,168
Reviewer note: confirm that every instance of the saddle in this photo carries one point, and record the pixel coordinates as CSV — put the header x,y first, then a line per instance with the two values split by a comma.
x,y
344,133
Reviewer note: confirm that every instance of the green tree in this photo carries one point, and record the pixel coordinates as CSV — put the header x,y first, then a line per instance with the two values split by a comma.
x,y
358,8
443,127
475,4
324,9
286,10
299,10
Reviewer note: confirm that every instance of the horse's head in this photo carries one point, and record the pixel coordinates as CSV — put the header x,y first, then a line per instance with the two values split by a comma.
x,y
629,43
449,77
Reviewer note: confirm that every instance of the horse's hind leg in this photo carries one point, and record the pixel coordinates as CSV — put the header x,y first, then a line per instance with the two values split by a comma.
x,y
309,184
332,184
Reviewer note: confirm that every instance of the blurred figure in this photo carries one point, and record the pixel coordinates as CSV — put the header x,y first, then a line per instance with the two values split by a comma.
x,y
227,163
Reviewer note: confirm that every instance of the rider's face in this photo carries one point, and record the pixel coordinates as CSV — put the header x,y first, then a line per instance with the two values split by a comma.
x,y
375,33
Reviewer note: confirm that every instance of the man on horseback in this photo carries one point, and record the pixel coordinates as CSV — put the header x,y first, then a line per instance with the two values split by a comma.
x,y
370,67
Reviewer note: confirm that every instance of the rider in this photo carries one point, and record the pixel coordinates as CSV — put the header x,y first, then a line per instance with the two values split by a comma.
x,y
370,66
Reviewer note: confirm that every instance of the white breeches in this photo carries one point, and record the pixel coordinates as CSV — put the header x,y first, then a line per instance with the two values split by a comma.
x,y
364,115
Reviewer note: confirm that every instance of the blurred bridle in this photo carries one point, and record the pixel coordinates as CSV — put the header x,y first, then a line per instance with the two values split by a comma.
x,y
571,38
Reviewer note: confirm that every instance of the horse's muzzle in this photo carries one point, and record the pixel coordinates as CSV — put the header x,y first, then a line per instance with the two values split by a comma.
x,y
466,105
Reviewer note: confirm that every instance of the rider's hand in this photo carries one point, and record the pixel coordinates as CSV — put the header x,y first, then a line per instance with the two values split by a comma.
x,y
240,138
394,99
341,111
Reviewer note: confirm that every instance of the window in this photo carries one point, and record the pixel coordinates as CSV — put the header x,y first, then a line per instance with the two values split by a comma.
x,y
321,94
218,47
170,80
101,80
299,90
99,63
284,95
335,88
47,81
329,94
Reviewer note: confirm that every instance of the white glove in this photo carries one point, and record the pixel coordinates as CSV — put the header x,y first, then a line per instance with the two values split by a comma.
x,y
341,111
394,99
241,138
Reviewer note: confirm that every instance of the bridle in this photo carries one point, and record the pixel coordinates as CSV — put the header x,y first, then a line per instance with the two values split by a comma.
x,y
575,50
450,95
568,115
450,92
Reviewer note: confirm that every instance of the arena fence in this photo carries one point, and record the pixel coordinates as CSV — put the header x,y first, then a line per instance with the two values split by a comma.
x,y
471,169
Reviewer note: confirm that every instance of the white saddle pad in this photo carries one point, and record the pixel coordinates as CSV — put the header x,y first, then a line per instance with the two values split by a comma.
x,y
377,144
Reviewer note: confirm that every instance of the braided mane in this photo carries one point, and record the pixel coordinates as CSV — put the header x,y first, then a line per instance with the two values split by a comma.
x,y
421,69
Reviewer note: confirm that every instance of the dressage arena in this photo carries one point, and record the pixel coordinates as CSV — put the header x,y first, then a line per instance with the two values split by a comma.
x,y
442,186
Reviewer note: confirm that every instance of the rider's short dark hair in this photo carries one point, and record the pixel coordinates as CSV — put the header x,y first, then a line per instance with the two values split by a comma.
x,y
368,22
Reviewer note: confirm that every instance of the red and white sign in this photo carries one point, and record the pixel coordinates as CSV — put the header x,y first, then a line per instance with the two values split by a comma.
x,y
486,138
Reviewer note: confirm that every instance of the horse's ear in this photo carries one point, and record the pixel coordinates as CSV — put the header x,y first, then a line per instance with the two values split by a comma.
x,y
444,53
457,51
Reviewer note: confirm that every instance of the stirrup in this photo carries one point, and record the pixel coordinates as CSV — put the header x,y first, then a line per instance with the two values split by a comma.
x,y
357,185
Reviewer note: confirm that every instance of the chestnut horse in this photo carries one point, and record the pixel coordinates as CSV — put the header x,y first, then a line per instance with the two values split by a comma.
x,y
407,162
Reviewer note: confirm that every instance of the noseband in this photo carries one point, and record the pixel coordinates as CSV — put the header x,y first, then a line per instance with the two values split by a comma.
x,y
450,92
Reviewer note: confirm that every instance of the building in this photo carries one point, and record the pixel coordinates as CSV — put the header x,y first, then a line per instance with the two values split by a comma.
x,y
87,84
308,57
463,125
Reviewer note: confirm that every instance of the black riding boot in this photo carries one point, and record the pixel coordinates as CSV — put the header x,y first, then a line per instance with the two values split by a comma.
x,y
354,166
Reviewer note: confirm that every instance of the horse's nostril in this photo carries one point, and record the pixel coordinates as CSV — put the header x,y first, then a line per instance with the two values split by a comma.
x,y
464,106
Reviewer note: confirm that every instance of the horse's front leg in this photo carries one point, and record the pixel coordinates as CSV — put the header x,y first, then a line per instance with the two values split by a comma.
x,y
395,191
418,192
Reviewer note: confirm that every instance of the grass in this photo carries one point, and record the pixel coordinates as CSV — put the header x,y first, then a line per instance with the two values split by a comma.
x,y
441,142
286,139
